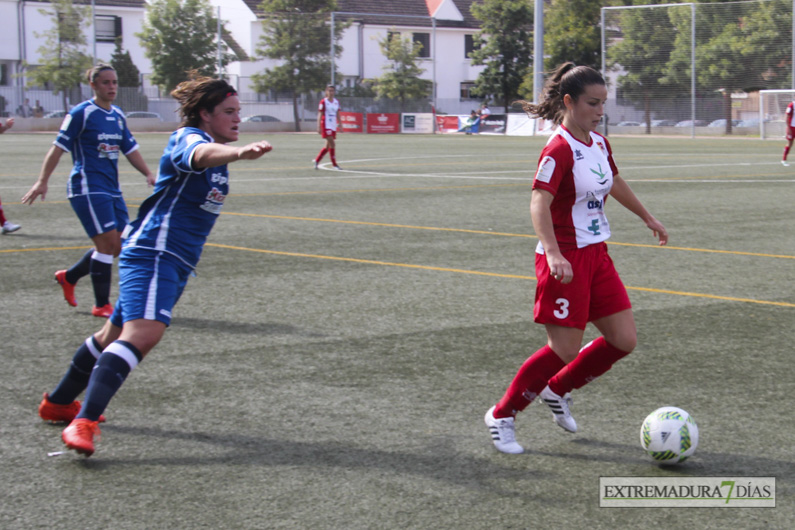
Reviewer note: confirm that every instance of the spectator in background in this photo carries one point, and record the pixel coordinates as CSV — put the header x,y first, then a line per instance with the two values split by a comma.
x,y
25,110
484,111
38,110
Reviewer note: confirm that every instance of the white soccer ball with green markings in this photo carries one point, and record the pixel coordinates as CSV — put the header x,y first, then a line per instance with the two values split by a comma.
x,y
669,435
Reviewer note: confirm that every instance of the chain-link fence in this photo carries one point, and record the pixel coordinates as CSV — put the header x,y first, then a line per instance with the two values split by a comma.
x,y
695,66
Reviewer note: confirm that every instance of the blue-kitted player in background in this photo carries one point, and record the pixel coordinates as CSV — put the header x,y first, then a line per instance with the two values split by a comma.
x,y
95,132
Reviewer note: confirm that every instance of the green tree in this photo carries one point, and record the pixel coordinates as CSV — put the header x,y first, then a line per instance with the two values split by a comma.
x,y
643,53
179,36
401,79
126,71
129,96
63,63
572,32
296,33
739,46
507,36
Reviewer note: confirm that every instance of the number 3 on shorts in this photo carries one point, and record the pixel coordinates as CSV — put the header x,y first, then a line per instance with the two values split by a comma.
x,y
563,308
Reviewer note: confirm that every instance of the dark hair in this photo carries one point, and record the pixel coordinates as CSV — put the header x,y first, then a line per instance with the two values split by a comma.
x,y
566,79
200,93
93,72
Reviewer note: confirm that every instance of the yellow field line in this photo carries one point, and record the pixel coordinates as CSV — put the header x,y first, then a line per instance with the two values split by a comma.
x,y
482,273
492,233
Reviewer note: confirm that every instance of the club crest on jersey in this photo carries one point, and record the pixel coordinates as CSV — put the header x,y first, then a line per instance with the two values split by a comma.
x,y
601,147
600,174
545,169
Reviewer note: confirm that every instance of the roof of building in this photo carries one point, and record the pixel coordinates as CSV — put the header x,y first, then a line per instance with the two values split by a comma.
x,y
376,12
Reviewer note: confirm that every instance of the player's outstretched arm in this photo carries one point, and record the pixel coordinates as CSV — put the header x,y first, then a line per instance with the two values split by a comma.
x,y
213,154
48,166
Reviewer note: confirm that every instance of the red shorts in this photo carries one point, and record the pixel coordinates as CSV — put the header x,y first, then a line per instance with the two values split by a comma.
x,y
328,133
790,133
595,292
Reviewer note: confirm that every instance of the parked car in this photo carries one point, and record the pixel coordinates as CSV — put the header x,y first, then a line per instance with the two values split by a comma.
x,y
749,123
55,114
260,118
722,123
627,124
660,123
689,123
142,114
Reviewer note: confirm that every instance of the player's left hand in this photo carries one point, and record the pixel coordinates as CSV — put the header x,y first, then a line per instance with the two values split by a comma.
x,y
254,150
659,230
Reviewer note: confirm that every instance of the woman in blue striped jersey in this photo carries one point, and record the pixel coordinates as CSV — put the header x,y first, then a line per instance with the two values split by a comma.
x,y
160,250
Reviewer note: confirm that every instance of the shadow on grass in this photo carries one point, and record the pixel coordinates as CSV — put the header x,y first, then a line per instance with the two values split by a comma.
x,y
254,328
440,462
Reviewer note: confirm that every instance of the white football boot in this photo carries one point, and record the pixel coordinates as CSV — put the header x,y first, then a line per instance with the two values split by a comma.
x,y
503,433
560,408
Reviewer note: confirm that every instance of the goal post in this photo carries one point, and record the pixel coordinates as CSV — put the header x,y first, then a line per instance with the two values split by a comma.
x,y
772,112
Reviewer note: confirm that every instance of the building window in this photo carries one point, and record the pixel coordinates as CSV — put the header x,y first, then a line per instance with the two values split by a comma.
x,y
425,40
108,27
471,44
4,74
466,88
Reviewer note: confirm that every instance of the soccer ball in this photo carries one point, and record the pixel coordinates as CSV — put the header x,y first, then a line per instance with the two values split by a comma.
x,y
669,435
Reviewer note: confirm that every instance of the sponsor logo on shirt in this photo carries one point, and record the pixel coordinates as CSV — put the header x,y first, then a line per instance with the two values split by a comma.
x,y
109,136
214,201
111,152
600,174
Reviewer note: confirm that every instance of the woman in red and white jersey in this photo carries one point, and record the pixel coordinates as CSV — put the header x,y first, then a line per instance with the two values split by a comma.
x,y
790,131
327,120
577,281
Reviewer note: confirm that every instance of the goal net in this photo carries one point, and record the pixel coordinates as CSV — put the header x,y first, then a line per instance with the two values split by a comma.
x,y
772,112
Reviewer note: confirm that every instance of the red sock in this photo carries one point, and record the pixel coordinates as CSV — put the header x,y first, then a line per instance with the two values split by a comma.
x,y
529,381
594,359
786,152
321,154
2,217
333,157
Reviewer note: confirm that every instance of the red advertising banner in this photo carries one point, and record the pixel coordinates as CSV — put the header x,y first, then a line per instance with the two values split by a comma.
x,y
383,123
351,122
447,123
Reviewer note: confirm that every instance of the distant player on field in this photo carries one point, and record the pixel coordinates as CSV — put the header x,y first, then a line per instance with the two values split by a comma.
x,y
790,131
95,133
6,226
577,282
327,120
161,250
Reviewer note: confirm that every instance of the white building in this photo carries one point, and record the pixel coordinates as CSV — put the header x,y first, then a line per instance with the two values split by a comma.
x,y
445,27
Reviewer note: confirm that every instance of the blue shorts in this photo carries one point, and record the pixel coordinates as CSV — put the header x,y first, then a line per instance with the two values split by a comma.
x,y
150,283
100,212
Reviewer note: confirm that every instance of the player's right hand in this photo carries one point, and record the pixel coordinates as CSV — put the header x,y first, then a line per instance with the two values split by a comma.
x,y
38,189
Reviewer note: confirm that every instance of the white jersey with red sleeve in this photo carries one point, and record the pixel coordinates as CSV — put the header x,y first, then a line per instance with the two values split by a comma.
x,y
580,176
791,114
329,108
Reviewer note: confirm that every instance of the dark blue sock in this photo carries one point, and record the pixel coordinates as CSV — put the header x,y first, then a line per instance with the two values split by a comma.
x,y
80,269
101,277
110,371
76,378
